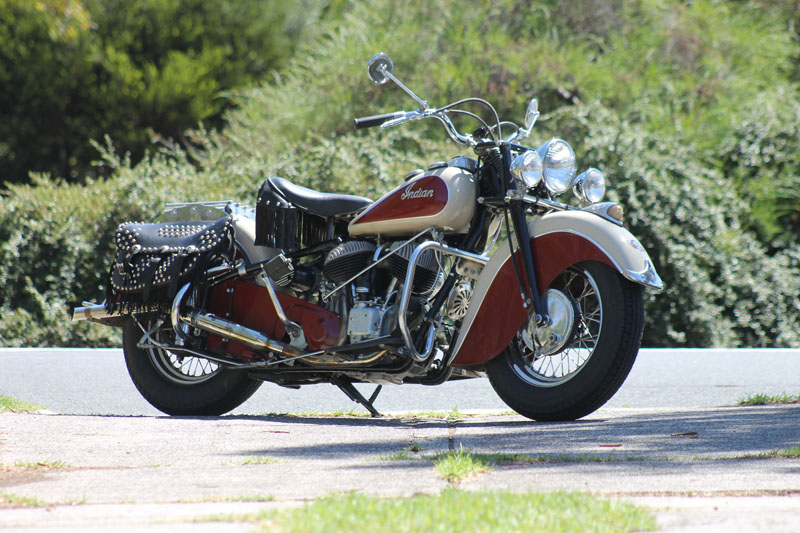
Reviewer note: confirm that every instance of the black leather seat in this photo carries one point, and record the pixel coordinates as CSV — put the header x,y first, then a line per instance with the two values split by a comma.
x,y
319,203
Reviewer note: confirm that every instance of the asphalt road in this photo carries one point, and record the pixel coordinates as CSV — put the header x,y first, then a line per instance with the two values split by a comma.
x,y
85,381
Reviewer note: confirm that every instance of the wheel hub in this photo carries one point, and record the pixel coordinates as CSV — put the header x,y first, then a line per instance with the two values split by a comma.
x,y
556,334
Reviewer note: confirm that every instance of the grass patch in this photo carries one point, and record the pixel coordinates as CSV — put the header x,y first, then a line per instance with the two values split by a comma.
x,y
790,453
769,399
452,414
459,464
786,453
456,465
41,465
402,455
249,498
241,498
258,460
8,499
590,458
35,465
494,459
9,404
455,510
317,414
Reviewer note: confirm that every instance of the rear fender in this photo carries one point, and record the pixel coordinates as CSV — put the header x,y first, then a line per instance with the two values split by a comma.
x,y
559,240
245,231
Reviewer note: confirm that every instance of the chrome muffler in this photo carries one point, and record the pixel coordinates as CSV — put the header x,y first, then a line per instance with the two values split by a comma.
x,y
230,330
92,312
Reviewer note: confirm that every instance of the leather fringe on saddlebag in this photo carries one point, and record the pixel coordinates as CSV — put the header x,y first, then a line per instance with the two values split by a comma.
x,y
154,260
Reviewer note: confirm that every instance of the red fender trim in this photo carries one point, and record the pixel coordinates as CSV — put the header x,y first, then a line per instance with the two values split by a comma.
x,y
501,313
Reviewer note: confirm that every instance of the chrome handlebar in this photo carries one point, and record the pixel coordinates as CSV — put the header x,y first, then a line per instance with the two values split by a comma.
x,y
379,70
461,138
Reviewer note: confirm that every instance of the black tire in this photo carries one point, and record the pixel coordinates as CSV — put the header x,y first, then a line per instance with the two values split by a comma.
x,y
602,344
188,386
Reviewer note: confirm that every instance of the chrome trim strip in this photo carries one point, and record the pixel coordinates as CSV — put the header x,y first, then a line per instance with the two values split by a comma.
x,y
647,277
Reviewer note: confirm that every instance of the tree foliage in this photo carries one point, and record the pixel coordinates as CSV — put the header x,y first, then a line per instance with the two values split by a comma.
x,y
139,70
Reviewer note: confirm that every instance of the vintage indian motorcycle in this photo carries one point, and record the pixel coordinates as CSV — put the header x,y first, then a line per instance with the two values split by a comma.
x,y
313,287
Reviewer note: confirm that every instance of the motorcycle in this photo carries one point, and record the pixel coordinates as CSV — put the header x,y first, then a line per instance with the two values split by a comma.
x,y
417,287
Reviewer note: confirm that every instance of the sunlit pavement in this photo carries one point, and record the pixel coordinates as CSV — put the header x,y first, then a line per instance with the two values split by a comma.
x,y
703,469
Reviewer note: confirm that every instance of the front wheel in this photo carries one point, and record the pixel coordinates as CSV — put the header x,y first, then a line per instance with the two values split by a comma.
x,y
182,385
574,365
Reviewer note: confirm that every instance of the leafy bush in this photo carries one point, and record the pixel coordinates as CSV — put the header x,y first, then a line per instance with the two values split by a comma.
x,y
669,99
722,287
761,159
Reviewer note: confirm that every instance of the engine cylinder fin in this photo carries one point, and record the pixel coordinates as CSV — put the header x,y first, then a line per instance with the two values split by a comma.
x,y
347,259
427,268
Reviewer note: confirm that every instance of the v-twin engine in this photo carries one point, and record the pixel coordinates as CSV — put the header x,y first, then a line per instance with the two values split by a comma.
x,y
375,273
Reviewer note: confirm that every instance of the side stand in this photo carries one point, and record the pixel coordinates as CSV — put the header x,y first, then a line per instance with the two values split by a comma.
x,y
347,387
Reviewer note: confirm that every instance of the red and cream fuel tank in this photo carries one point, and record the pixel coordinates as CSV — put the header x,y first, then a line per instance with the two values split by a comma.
x,y
442,197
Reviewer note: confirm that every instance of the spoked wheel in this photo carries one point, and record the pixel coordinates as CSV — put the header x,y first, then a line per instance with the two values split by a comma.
x,y
179,384
181,369
572,366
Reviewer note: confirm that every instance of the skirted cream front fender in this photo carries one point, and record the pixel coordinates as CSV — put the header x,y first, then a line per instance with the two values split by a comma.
x,y
559,240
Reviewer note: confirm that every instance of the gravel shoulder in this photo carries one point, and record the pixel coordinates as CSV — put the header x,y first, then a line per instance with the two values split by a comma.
x,y
700,469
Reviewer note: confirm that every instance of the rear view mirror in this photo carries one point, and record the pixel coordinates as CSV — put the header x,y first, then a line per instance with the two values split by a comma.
x,y
531,114
378,65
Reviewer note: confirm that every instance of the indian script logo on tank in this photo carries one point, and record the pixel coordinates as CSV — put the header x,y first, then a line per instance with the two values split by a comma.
x,y
410,193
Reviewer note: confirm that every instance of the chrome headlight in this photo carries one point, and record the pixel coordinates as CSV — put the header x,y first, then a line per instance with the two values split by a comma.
x,y
527,169
558,161
590,186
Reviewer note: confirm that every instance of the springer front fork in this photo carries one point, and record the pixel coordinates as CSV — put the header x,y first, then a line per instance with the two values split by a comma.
x,y
530,291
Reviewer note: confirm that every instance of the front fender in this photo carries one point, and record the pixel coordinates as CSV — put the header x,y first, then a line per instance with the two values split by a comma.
x,y
619,247
559,240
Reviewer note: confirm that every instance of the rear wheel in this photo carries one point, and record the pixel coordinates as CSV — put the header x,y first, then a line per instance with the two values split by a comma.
x,y
178,384
573,366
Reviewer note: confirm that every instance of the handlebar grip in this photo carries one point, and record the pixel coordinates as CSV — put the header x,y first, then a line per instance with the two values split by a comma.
x,y
375,120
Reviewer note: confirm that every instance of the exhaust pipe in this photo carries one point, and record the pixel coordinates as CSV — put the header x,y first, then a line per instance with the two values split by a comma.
x,y
230,330
92,312
204,321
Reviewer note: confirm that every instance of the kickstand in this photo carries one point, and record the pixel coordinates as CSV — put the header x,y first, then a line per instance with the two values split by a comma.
x,y
347,387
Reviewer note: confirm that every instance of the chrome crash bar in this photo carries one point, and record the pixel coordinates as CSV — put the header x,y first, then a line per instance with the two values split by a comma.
x,y
405,296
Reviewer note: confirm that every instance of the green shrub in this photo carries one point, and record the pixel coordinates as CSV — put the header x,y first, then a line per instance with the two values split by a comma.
x,y
722,287
56,242
669,99
762,160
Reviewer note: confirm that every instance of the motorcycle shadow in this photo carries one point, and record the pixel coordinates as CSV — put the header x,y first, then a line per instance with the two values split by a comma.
x,y
653,434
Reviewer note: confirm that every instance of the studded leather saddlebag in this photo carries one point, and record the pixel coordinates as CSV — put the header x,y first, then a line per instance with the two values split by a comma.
x,y
154,260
